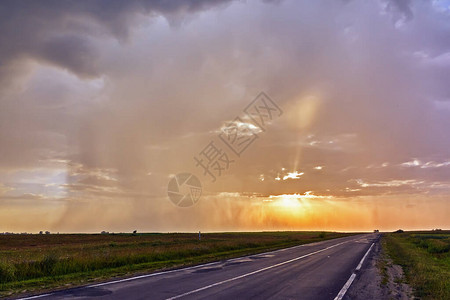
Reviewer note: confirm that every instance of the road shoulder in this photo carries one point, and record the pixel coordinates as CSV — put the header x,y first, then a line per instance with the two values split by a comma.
x,y
379,278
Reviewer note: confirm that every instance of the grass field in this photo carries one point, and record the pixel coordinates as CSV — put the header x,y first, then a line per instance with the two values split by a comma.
x,y
425,259
38,262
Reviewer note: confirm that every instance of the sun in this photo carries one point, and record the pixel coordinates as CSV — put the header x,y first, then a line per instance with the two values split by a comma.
x,y
289,201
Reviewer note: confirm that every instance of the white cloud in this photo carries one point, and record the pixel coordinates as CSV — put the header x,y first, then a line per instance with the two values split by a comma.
x,y
427,165
413,163
347,142
389,183
239,128
306,195
293,175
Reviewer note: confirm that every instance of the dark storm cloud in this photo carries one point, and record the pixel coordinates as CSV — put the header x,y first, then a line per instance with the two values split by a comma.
x,y
69,35
63,32
400,9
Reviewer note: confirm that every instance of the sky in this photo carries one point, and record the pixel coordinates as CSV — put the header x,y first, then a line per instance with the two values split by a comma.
x,y
341,110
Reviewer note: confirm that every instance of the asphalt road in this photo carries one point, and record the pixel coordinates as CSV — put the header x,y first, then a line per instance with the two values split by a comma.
x,y
313,271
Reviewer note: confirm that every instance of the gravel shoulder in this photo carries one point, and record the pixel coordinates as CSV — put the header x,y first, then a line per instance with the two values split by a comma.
x,y
379,278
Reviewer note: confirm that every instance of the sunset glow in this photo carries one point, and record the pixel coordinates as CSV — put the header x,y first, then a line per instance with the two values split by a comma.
x,y
338,111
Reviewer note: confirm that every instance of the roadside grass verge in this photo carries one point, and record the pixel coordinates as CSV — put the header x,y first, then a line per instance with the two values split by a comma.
x,y
425,259
30,263
382,265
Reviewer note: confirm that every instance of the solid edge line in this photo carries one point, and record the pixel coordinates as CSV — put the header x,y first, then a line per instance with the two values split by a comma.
x,y
175,270
35,297
254,272
349,282
187,268
166,272
362,260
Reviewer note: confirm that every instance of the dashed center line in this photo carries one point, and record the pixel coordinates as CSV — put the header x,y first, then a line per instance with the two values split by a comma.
x,y
254,272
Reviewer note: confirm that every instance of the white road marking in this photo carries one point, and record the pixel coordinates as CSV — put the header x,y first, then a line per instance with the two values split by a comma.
x,y
166,272
127,279
352,277
187,268
345,287
364,257
184,269
254,272
35,297
151,275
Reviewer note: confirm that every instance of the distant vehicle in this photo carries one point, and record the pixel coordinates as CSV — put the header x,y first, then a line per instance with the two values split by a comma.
x,y
376,231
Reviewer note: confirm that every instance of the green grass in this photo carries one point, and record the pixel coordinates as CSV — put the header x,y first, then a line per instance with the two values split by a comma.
x,y
382,265
39,262
425,259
